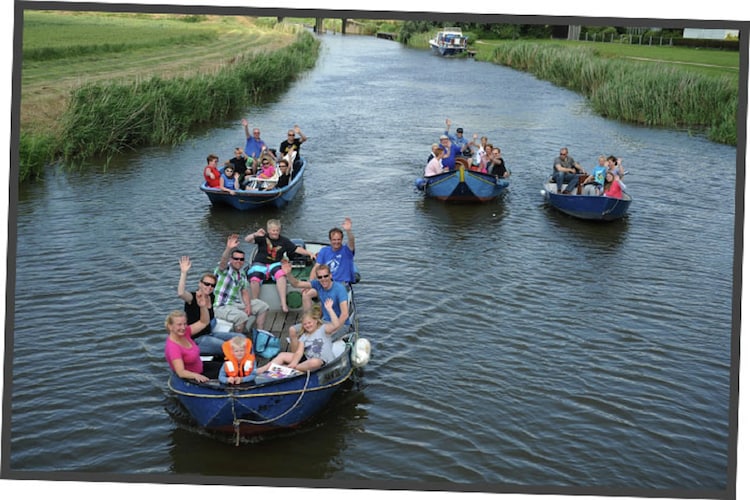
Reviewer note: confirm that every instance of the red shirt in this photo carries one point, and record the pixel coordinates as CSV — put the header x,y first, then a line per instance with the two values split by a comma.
x,y
212,183
614,191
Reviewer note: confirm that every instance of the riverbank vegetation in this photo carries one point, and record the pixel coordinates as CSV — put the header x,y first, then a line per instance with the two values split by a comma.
x,y
656,86
95,84
644,92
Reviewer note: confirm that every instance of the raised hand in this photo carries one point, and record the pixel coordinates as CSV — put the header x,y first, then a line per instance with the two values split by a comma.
x,y
185,264
233,240
201,299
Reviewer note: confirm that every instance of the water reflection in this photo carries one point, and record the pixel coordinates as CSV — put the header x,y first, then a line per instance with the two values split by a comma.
x,y
310,451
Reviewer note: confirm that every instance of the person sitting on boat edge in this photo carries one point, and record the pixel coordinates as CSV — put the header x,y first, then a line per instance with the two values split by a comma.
x,y
338,256
313,348
612,186
592,185
233,302
254,145
284,174
267,260
614,165
450,152
496,163
229,180
292,144
325,288
480,157
239,361
180,350
211,173
458,139
565,170
208,341
435,165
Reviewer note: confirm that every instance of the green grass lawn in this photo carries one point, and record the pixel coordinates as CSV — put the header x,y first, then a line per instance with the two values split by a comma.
x,y
63,50
705,61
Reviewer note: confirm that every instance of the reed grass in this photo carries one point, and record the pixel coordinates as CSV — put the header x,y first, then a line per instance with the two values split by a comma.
x,y
633,91
104,119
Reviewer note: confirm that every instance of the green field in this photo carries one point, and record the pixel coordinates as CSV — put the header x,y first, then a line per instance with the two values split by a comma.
x,y
97,83
64,50
702,61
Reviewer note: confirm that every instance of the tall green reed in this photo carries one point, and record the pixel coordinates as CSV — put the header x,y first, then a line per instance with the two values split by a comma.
x,y
105,119
633,91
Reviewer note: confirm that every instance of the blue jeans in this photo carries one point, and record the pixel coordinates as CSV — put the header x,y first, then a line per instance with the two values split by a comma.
x,y
210,344
564,177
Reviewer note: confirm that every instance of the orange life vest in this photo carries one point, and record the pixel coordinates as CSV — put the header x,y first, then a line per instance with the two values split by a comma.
x,y
238,368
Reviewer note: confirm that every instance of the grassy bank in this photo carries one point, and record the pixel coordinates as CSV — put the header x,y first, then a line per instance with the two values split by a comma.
x,y
636,89
97,83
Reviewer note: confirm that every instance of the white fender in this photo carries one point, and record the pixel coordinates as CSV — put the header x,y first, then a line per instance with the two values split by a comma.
x,y
361,353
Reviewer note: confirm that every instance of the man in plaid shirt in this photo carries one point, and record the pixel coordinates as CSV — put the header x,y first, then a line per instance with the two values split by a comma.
x,y
232,302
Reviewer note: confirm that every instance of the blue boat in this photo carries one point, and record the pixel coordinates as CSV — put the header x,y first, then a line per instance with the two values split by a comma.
x,y
269,403
462,185
587,206
448,42
254,199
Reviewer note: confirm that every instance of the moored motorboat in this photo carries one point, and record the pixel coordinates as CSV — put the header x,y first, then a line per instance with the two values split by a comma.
x,y
462,185
255,199
583,205
274,402
448,42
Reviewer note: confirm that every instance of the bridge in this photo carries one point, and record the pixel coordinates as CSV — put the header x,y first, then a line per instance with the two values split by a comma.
x,y
346,25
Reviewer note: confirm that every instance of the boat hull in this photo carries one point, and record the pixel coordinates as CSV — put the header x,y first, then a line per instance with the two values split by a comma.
x,y
464,185
587,207
254,200
258,408
446,51
270,404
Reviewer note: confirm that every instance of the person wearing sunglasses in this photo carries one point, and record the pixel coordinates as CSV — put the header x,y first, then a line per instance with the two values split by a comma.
x,y
233,302
565,170
208,341
254,145
290,147
325,288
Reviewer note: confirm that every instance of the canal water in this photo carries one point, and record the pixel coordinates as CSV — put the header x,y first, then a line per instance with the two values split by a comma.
x,y
513,347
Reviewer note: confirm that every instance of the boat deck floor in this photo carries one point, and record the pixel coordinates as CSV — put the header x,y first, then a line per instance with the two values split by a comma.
x,y
278,323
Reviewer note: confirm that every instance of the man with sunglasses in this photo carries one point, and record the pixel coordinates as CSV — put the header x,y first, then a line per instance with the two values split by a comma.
x,y
565,170
293,143
208,341
254,145
325,288
233,302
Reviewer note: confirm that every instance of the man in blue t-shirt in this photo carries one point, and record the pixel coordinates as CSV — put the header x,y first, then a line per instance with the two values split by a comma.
x,y
450,151
339,257
325,288
458,139
254,145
